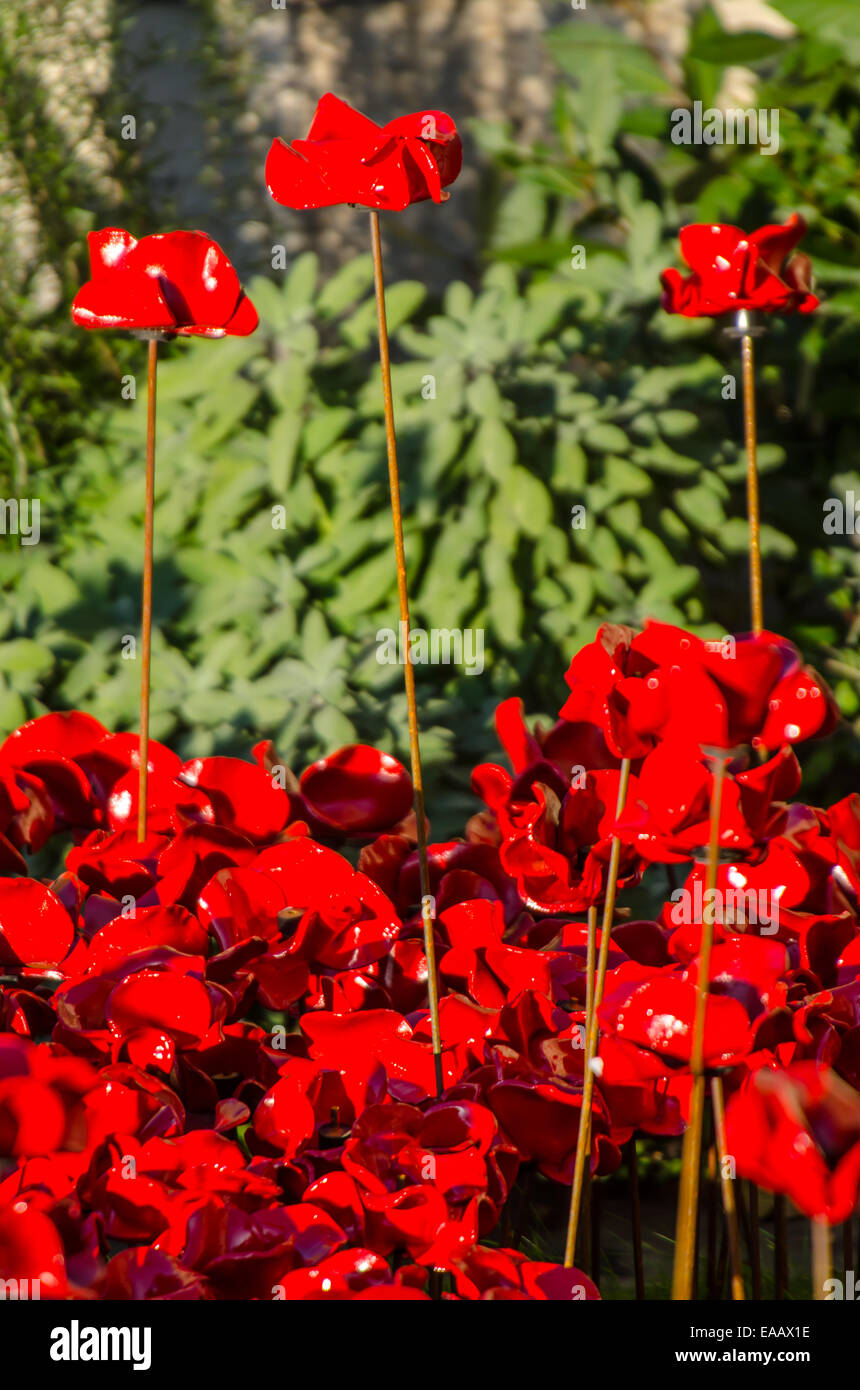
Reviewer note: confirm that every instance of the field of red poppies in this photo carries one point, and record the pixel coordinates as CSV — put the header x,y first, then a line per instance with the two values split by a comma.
x,y
163,1137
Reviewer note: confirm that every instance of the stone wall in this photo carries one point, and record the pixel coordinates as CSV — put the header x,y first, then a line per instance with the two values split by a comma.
x,y
211,82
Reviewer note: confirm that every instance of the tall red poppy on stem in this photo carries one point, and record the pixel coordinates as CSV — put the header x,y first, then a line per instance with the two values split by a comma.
x,y
743,274
172,284
348,158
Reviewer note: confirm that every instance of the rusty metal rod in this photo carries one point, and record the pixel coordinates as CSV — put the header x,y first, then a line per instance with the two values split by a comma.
x,y
728,1189
146,605
583,1138
753,513
683,1274
427,905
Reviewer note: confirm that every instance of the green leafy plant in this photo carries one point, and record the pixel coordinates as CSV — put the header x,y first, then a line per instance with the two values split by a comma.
x,y
570,453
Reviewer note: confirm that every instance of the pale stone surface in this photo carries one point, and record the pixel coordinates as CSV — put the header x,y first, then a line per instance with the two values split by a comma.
x,y
212,83
63,50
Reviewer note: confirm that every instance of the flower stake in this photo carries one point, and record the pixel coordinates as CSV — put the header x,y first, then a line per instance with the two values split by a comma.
x,y
745,329
348,158
583,1138
177,284
636,1218
728,1190
780,1247
688,1191
590,963
755,1246
408,668
146,604
821,1257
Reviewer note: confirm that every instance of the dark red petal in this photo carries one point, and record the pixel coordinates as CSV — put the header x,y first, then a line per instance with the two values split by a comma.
x,y
358,789
35,928
195,277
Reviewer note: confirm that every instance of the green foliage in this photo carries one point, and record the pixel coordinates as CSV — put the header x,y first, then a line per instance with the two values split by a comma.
x,y
541,389
48,375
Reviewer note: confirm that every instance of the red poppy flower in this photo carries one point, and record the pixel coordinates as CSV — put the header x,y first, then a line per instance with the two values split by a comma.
x,y
480,965
347,158
734,270
357,790
666,817
173,283
555,836
31,1251
665,682
540,1114
246,1255
47,750
35,928
231,793
451,1145
495,1274
797,1131
342,1276
658,1015
146,1273
43,1096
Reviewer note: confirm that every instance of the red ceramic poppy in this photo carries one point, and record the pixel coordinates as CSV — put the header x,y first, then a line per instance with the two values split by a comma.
x,y
347,158
173,283
234,794
665,683
143,963
357,790
735,270
31,1250
35,928
146,1273
797,1131
495,1274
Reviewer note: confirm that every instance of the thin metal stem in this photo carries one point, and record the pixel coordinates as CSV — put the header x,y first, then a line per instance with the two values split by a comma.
x,y
711,1226
691,1151
728,1189
590,963
583,1138
753,514
780,1247
755,1240
146,605
636,1218
427,905
821,1258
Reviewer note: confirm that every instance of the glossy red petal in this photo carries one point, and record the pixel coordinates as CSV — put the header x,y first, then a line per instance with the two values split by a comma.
x,y
358,789
35,928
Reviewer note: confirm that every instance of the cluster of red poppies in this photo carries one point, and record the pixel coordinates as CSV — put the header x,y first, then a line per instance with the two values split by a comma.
x,y
216,1067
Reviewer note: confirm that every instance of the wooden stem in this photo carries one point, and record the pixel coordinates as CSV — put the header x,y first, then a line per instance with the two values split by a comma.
x,y
753,514
780,1247
636,1219
691,1152
595,1231
728,1189
590,964
427,903
820,1232
583,1138
722,1262
146,606
755,1242
711,1265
